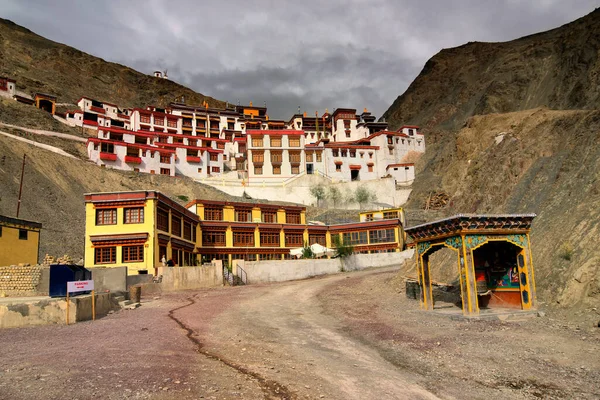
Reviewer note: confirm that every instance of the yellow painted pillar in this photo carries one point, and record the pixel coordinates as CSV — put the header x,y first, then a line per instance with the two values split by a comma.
x,y
305,237
256,214
470,283
524,280
461,277
328,241
303,218
281,238
228,237
256,237
426,283
200,211
281,216
228,213
532,274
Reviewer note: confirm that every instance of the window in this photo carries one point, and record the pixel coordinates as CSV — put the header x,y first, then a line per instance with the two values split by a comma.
x,y
258,170
176,225
269,239
213,238
241,239
295,169
187,231
165,171
316,238
294,141
309,157
106,216
294,239
391,150
165,159
105,255
276,157
107,148
370,154
390,215
335,152
269,216
257,141
199,170
133,253
382,236
258,157
277,169
172,123
319,155
369,217
275,141
162,220
215,170
362,154
353,153
354,238
22,234
292,217
390,140
213,213
133,215
338,167
243,215
370,166
344,153
295,157
159,121
144,119
214,157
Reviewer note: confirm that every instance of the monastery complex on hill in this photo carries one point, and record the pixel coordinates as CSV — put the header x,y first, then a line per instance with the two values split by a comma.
x,y
241,142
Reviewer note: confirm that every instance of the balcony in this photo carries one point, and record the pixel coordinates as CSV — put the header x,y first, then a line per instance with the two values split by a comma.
x,y
132,159
193,159
98,110
108,156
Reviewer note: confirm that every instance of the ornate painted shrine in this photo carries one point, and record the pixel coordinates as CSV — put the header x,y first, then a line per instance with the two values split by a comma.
x,y
493,258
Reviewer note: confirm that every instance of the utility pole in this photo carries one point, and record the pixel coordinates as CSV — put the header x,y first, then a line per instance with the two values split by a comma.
x,y
21,186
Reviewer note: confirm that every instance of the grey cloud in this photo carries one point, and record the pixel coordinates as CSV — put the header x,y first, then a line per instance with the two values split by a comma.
x,y
315,54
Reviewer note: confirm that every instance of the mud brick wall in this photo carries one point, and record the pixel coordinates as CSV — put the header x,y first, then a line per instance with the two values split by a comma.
x,y
20,280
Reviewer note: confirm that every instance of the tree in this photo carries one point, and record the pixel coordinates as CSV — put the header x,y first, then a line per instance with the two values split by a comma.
x,y
342,250
318,192
307,251
362,196
334,195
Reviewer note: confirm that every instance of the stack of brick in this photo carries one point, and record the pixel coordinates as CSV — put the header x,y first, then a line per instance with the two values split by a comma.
x,y
20,280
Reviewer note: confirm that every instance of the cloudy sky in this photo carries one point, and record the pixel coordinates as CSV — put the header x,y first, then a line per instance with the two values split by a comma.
x,y
315,54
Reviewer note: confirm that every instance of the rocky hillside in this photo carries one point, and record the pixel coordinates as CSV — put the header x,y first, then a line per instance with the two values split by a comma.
x,y
513,127
39,64
558,69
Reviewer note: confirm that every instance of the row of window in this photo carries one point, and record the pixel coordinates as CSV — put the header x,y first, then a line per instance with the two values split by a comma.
x,y
375,236
108,216
267,239
108,255
293,141
276,157
258,169
351,153
245,215
162,223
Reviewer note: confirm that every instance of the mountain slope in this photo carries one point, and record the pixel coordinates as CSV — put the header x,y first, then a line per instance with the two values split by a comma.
x,y
558,69
39,64
511,128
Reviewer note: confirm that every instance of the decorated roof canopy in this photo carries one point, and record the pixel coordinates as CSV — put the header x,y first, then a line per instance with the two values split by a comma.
x,y
471,223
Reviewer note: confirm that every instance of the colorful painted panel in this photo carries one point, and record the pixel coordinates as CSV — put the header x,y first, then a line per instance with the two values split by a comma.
x,y
472,241
454,242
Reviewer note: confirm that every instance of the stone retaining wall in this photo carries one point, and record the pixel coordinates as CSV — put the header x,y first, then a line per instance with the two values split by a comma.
x,y
23,280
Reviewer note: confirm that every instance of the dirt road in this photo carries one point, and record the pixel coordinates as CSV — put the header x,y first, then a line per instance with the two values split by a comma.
x,y
348,336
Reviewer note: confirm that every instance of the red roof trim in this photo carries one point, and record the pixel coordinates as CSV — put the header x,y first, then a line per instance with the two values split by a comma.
x,y
401,165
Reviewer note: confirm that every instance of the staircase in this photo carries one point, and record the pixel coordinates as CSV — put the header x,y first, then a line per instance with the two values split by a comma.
x,y
232,279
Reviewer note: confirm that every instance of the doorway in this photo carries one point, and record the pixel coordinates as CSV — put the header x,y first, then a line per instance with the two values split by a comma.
x,y
354,175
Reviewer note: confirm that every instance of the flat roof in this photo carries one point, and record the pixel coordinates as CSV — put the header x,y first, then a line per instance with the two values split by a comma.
x,y
17,221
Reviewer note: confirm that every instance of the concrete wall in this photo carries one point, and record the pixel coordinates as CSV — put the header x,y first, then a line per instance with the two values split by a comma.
x,y
298,191
49,311
182,278
287,270
112,279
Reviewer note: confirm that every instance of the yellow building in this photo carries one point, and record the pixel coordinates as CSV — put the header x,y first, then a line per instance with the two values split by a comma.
x,y
136,229
19,241
378,215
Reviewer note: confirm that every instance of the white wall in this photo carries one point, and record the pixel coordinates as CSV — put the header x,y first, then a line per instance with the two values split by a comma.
x,y
287,270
